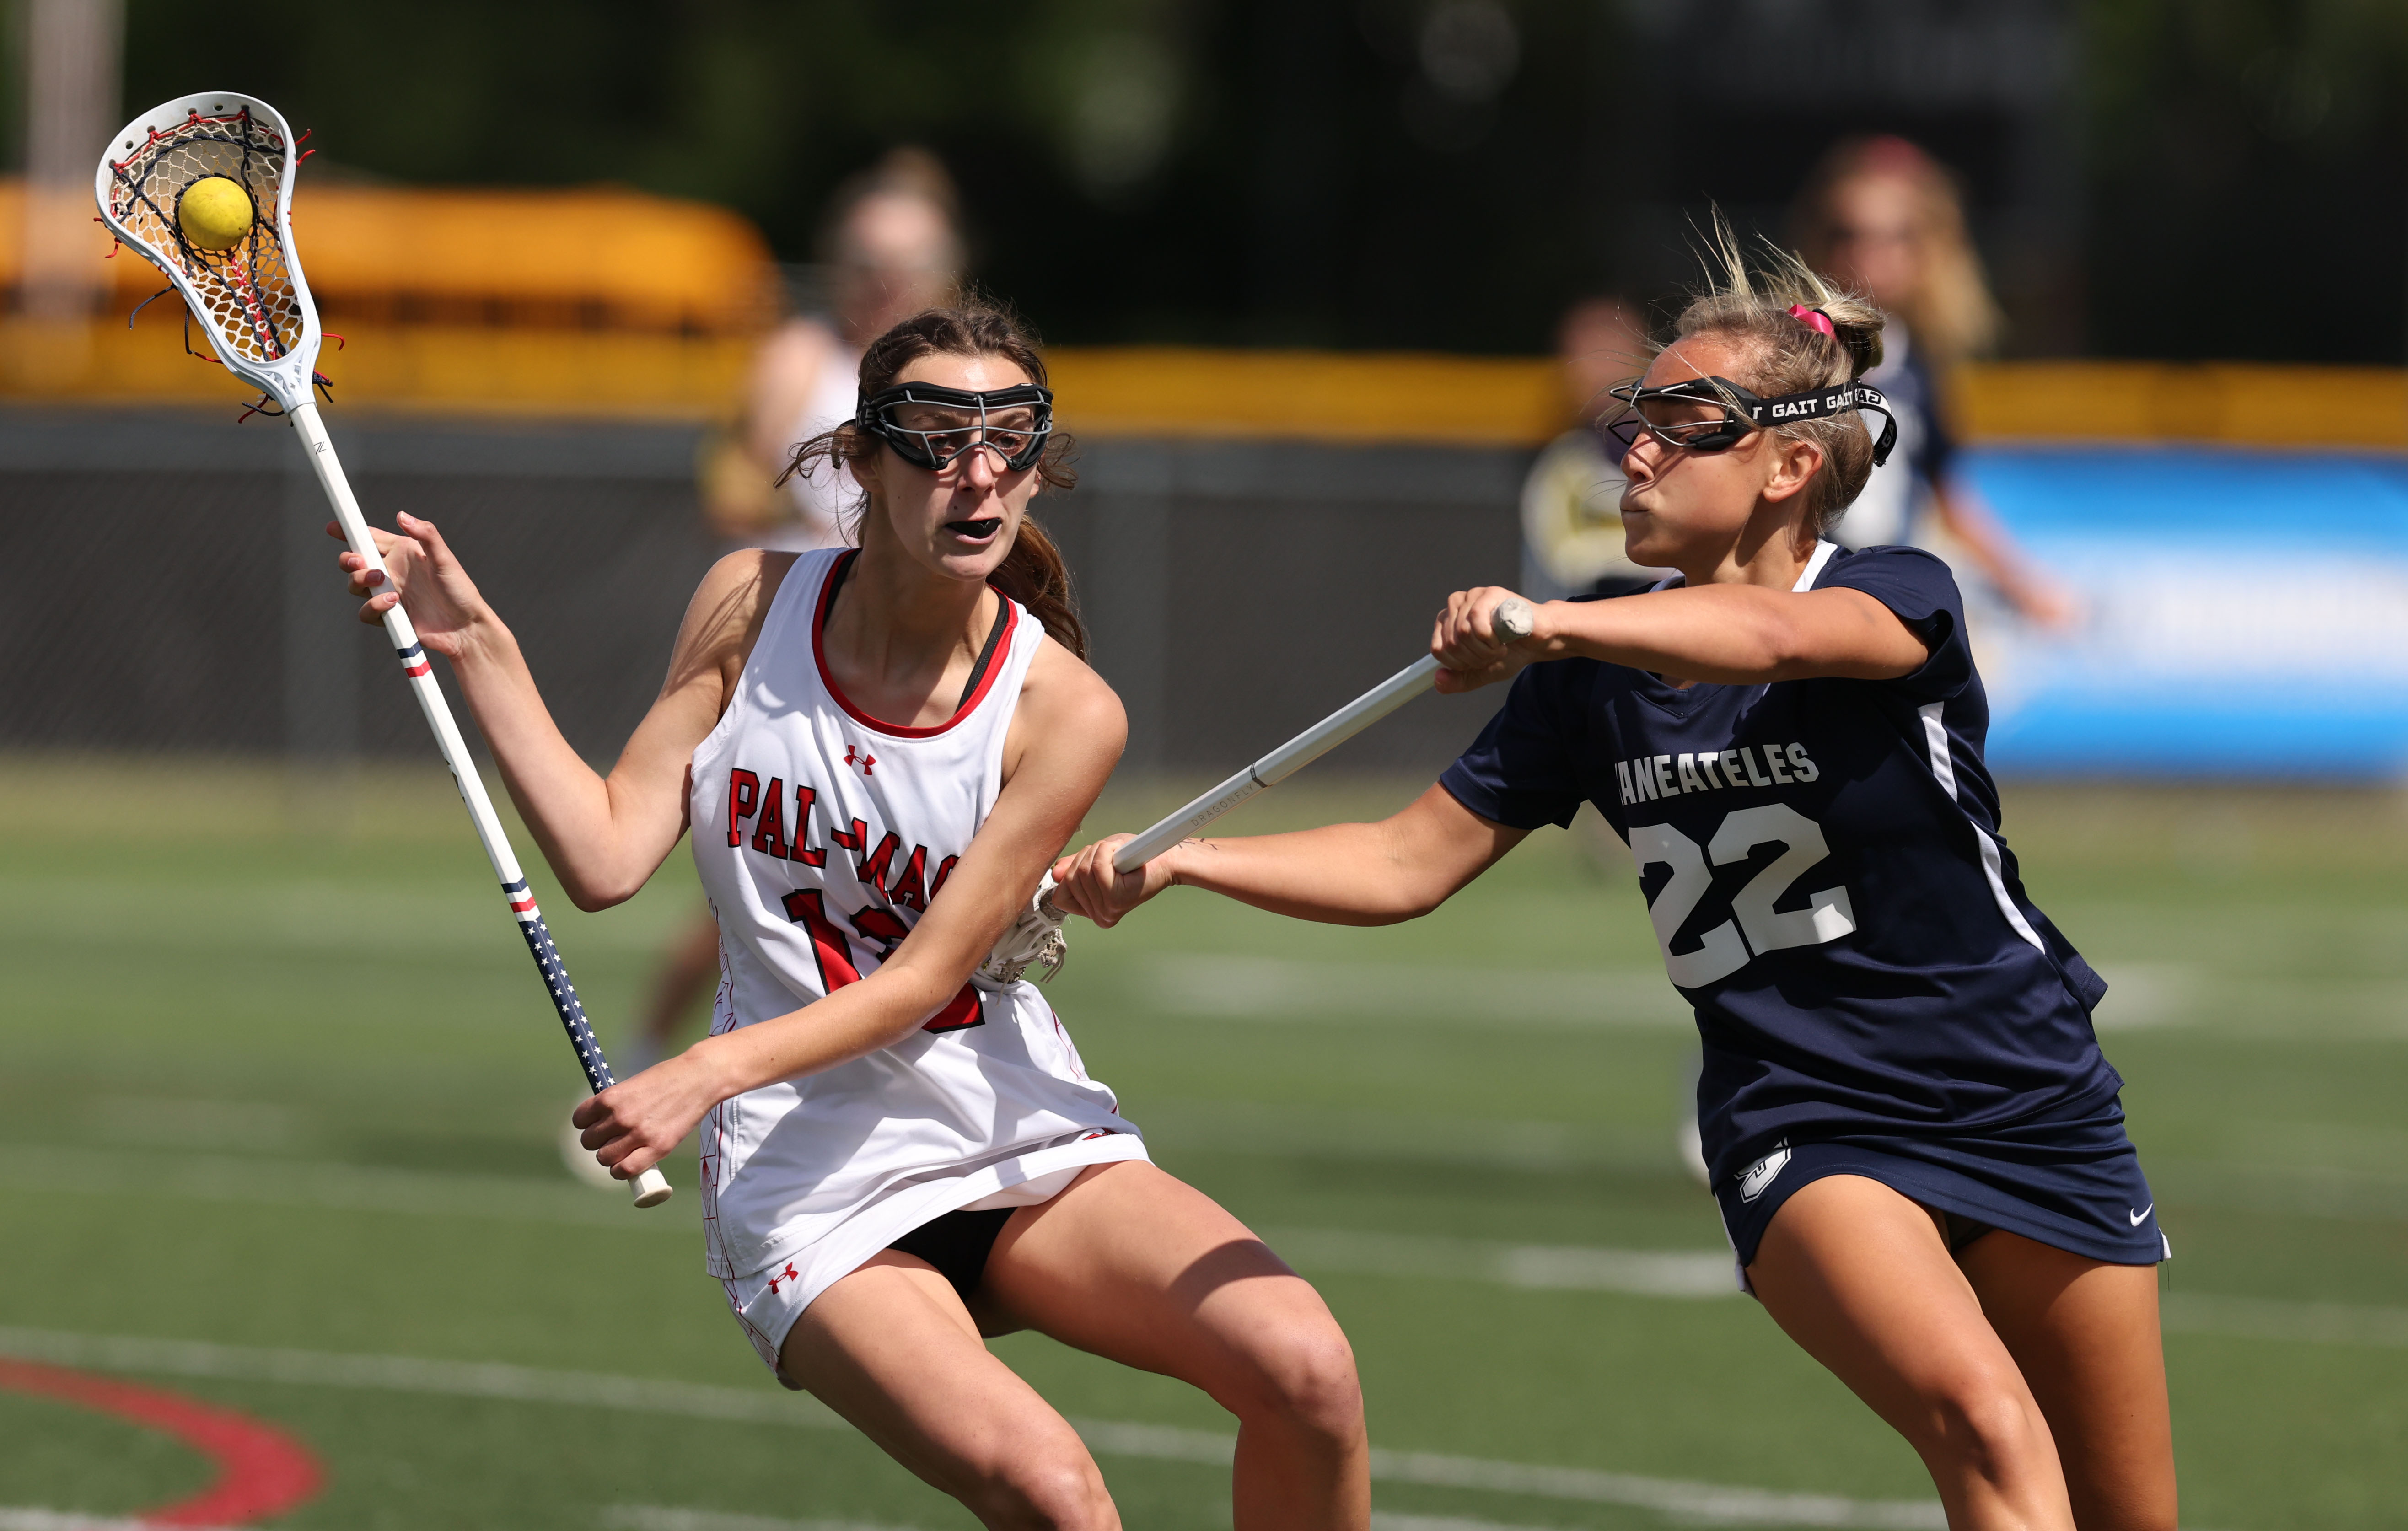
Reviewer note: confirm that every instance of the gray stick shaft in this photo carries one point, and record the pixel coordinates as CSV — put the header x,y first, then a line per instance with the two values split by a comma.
x,y
1281,762
1513,620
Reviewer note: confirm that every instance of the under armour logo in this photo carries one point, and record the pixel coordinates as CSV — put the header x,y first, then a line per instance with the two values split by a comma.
x,y
866,762
788,1276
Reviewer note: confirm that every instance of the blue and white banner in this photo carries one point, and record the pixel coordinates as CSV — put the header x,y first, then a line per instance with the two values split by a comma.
x,y
2245,613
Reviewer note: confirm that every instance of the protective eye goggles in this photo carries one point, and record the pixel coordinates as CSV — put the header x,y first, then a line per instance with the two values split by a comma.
x,y
1672,414
934,427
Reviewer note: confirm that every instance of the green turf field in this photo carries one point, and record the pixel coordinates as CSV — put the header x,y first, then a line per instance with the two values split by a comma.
x,y
279,1094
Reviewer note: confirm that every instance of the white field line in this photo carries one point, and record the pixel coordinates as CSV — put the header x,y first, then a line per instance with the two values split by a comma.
x,y
1680,1274
667,1518
348,1188
664,1517
2322,1191
520,1200
334,1187
1249,1127
1388,1520
1236,988
405,1374
35,1517
304,916
1530,1267
2300,1323
1708,1503
2319,1191
1697,1504
2143,995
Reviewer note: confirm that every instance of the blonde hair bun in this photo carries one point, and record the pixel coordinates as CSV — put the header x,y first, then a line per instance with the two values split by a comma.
x,y
1763,308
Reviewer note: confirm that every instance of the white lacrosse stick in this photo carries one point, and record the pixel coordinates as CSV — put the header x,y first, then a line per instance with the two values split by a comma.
x,y
1035,936
250,299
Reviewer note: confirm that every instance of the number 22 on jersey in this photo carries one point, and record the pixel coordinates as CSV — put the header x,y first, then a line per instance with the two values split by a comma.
x,y
1756,926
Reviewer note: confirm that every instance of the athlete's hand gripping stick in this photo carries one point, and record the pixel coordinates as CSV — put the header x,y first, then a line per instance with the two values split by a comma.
x,y
1036,934
227,248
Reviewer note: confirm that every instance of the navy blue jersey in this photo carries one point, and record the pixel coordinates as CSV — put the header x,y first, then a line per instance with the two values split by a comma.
x,y
1821,864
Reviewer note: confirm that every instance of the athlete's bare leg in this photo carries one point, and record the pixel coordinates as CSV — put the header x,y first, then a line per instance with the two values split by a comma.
x,y
2084,1335
688,969
892,1349
1142,1268
1860,1277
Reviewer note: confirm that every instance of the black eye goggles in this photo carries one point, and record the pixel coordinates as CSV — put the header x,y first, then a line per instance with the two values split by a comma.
x,y
1668,413
933,427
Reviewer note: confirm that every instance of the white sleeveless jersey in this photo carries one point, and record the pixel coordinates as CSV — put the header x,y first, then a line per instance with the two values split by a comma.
x,y
822,833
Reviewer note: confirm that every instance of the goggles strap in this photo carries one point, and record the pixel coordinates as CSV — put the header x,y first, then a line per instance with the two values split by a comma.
x,y
1825,402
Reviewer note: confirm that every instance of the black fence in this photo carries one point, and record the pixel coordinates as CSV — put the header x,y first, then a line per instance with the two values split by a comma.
x,y
165,583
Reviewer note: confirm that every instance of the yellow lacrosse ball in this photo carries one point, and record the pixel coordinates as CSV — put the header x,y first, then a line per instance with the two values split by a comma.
x,y
215,212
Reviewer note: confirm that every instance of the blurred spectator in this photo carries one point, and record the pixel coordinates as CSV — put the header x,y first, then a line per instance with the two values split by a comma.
x,y
1571,502
891,247
1882,216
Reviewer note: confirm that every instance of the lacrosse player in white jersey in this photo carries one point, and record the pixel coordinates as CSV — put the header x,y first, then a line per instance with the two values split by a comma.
x,y
879,750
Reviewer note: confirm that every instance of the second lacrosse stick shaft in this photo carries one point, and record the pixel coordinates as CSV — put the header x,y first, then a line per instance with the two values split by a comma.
x,y
1512,620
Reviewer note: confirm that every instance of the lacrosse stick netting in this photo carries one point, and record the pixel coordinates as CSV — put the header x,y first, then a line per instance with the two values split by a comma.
x,y
251,302
250,299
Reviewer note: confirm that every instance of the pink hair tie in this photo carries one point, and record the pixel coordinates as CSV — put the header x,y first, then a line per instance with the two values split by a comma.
x,y
1813,318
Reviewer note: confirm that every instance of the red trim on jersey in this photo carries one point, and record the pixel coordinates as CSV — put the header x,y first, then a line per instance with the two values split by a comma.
x,y
819,657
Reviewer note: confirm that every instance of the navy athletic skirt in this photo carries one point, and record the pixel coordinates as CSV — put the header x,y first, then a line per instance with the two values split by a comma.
x,y
2073,1182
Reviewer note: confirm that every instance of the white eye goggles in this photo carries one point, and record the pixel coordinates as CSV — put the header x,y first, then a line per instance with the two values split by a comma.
x,y
1657,412
933,427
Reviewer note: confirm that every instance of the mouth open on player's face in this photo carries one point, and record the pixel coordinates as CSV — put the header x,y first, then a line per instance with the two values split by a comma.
x,y
977,530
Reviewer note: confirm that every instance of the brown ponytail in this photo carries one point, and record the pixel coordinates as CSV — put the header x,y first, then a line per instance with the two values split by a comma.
x,y
1032,573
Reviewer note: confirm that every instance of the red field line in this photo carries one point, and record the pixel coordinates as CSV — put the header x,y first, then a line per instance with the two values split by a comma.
x,y
262,1471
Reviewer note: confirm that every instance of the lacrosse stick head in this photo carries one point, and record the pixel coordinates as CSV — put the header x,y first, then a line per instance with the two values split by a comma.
x,y
1034,937
249,298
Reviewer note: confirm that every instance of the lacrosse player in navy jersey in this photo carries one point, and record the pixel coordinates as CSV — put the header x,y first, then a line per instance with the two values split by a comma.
x,y
1918,1149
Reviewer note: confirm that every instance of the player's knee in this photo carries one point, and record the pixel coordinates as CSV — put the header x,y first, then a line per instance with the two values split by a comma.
x,y
1984,1423
1049,1488
1307,1380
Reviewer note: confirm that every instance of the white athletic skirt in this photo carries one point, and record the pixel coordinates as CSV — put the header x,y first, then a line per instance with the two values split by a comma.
x,y
766,1302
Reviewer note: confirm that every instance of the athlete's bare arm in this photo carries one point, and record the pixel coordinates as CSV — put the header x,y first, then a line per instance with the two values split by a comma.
x,y
1066,735
1402,867
1377,874
603,835
1728,633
